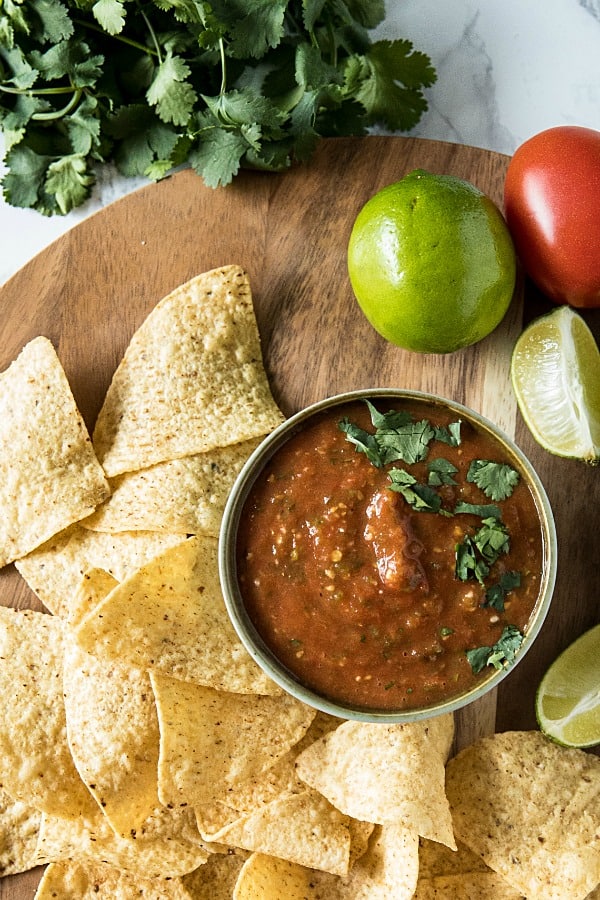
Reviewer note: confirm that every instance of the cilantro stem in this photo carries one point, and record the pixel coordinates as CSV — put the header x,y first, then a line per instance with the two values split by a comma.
x,y
223,67
119,37
76,94
31,92
59,113
152,35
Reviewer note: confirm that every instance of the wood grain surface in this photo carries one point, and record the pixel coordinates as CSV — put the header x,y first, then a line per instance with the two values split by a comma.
x,y
91,289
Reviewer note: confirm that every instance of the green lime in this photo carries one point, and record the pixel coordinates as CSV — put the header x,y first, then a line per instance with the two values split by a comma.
x,y
555,371
432,263
568,699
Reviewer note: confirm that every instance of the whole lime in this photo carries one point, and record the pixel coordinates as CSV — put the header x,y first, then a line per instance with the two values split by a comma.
x,y
432,263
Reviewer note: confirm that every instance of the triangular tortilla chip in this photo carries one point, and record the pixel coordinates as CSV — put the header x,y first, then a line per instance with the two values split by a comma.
x,y
170,616
216,879
49,474
179,496
386,774
531,810
211,740
167,844
191,379
35,761
71,880
458,875
112,729
387,870
303,828
55,570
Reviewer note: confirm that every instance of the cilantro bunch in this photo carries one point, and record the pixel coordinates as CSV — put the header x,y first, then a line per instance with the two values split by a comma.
x,y
153,84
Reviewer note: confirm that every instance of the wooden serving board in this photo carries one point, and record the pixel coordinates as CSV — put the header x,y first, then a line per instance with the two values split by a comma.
x,y
91,289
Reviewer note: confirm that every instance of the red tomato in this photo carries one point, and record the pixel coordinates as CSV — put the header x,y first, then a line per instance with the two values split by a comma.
x,y
552,207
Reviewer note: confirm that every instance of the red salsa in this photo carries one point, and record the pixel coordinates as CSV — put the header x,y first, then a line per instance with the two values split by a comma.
x,y
389,555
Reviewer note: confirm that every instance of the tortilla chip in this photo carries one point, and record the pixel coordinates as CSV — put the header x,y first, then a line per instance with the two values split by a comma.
x,y
36,766
19,828
386,774
54,571
179,496
388,869
167,844
458,875
248,796
112,729
192,378
72,880
94,586
216,879
49,474
302,828
437,859
170,617
210,740
468,886
531,810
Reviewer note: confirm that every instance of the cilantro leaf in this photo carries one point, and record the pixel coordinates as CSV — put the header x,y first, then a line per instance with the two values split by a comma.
x,y
449,434
475,509
25,176
390,420
409,443
54,20
171,95
364,441
496,480
468,562
217,157
390,75
110,14
441,471
501,654
492,539
69,181
496,593
477,553
420,497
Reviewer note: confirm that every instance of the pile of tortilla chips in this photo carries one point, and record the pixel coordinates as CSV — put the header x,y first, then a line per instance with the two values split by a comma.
x,y
142,751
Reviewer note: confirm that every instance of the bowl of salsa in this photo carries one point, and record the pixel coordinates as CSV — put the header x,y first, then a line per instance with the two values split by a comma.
x,y
387,555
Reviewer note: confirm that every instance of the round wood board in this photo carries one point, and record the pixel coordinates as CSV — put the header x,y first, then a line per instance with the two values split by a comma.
x,y
91,289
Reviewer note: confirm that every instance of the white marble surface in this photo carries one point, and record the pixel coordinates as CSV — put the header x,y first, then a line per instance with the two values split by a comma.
x,y
506,70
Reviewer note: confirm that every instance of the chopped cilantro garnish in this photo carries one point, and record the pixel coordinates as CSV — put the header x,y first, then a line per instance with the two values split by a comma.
x,y
492,539
501,654
476,554
484,511
496,480
441,471
468,564
364,441
496,593
449,435
421,497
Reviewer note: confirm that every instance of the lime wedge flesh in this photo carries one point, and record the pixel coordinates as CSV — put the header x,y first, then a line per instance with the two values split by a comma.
x,y
568,698
555,371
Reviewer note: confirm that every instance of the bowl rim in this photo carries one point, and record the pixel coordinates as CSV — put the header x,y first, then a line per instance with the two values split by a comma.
x,y
264,657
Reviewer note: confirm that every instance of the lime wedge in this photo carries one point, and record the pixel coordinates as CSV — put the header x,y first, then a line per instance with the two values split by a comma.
x,y
555,371
567,703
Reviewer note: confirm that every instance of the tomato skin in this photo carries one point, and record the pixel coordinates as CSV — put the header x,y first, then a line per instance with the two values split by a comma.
x,y
552,208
